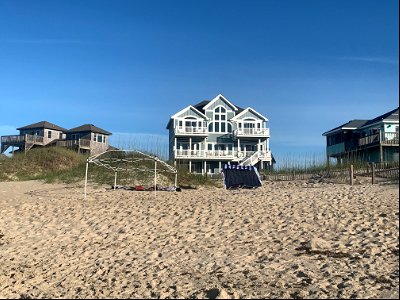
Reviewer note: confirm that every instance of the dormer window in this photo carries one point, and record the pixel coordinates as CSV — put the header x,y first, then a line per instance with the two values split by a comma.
x,y
190,122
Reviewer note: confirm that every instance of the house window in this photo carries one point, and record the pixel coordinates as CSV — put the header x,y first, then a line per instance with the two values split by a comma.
x,y
94,137
100,138
60,135
49,134
220,116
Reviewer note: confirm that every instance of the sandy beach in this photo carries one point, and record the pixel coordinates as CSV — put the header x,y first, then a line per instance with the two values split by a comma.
x,y
283,240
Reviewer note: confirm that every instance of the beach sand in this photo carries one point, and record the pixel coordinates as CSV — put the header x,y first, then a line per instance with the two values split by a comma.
x,y
283,240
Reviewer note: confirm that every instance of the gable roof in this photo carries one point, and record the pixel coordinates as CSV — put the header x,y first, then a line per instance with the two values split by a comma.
x,y
217,98
43,124
392,115
185,109
89,127
251,110
200,106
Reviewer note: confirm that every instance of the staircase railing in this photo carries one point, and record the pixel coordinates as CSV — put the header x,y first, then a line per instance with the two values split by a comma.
x,y
251,160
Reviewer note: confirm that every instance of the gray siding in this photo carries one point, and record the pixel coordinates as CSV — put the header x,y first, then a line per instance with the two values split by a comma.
x,y
249,114
190,113
171,143
44,132
230,114
218,103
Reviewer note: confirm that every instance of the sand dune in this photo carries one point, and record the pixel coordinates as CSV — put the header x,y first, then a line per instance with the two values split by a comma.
x,y
283,240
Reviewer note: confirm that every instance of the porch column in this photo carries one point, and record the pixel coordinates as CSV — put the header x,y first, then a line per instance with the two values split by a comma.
x,y
205,168
220,167
259,145
190,146
239,146
175,149
267,145
190,166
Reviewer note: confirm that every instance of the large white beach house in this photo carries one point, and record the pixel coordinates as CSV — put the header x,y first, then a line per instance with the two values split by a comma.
x,y
207,135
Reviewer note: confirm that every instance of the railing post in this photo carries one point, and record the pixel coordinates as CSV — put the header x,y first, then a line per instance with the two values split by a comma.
x,y
86,175
373,173
351,175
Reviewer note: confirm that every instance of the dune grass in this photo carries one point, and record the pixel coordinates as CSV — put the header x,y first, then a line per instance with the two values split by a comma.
x,y
56,164
48,164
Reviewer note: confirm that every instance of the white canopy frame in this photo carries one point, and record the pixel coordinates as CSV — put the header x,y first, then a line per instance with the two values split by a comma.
x,y
107,163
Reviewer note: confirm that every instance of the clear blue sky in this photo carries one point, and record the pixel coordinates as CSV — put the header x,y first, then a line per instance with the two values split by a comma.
x,y
308,66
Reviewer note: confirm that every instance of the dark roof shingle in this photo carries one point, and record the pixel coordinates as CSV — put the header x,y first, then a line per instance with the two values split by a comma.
x,y
43,124
353,124
89,127
391,115
200,107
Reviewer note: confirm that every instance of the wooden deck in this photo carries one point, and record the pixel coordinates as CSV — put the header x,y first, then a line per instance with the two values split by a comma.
x,y
387,139
23,142
26,142
81,143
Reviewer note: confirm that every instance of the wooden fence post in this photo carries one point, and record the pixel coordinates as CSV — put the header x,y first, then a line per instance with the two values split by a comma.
x,y
373,173
351,175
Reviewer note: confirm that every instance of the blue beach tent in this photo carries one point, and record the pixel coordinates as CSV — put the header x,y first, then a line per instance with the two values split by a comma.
x,y
236,176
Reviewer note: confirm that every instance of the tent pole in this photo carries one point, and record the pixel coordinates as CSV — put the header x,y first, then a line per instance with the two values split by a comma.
x,y
115,180
86,175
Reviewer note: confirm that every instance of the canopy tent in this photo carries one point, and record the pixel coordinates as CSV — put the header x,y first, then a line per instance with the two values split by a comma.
x,y
132,163
237,176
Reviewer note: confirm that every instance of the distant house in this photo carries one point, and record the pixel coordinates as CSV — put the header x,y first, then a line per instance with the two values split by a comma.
x,y
89,138
84,139
375,140
204,136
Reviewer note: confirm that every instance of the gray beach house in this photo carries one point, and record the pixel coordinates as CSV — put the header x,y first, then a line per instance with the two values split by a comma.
x,y
84,139
204,136
375,140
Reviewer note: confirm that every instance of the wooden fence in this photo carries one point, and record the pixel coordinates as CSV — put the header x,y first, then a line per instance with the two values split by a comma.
x,y
383,171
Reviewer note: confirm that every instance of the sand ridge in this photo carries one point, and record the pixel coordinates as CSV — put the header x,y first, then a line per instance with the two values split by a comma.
x,y
283,240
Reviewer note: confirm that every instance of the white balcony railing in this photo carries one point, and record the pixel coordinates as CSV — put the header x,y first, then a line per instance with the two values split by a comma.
x,y
203,154
190,130
252,132
221,154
